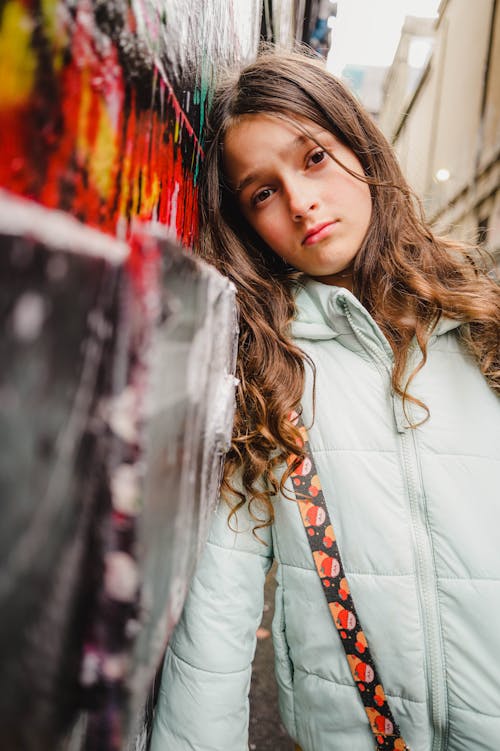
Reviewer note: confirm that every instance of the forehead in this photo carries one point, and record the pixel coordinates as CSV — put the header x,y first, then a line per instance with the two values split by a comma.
x,y
254,140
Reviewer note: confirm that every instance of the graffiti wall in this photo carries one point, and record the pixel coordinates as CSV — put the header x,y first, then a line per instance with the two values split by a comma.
x,y
102,103
116,390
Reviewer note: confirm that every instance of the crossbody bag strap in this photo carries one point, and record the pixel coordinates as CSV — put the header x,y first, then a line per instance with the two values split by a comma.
x,y
326,555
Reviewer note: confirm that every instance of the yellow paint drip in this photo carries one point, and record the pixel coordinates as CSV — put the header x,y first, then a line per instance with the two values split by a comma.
x,y
150,194
125,185
102,166
55,31
136,193
82,145
155,192
17,58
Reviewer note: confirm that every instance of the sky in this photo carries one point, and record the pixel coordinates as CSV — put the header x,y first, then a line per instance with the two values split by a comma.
x,y
366,32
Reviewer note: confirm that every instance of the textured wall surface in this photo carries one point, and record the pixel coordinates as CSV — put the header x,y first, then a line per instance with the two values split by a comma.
x,y
116,392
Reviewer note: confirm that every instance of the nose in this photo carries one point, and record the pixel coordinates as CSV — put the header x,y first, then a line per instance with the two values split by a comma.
x,y
301,201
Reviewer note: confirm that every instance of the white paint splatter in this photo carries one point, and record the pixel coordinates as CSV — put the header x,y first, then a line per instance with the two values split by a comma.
x,y
28,316
125,490
120,414
114,667
90,668
121,577
173,206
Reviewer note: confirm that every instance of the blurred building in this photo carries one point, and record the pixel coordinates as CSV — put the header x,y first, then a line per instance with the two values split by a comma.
x,y
402,79
441,111
367,82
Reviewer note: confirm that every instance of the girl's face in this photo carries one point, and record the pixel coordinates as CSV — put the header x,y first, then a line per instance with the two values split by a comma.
x,y
309,210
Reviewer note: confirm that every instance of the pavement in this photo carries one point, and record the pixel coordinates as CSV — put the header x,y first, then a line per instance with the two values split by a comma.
x,y
266,731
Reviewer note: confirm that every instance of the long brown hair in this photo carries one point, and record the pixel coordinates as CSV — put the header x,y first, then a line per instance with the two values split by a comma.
x,y
405,276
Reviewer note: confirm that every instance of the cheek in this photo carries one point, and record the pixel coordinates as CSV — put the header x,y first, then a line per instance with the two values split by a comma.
x,y
356,194
364,203
269,228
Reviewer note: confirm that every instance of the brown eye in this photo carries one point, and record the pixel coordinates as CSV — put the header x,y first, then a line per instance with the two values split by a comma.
x,y
318,156
262,195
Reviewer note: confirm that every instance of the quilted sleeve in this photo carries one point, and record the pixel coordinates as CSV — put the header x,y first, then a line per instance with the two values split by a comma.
x,y
203,698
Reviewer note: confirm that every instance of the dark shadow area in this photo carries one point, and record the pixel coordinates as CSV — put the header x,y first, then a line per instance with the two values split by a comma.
x,y
266,730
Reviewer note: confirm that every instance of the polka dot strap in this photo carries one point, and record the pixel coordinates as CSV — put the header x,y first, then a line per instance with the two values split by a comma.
x,y
326,555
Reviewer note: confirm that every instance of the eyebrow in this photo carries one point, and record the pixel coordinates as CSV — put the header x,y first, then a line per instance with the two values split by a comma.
x,y
253,176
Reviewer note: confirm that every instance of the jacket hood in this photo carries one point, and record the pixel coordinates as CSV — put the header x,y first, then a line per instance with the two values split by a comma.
x,y
328,312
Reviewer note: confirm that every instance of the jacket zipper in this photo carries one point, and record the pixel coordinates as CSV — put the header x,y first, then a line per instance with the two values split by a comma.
x,y
428,599
429,604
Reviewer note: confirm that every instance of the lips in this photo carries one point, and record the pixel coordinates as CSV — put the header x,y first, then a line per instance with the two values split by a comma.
x,y
315,234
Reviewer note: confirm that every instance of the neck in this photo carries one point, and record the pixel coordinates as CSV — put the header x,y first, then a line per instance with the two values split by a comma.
x,y
342,279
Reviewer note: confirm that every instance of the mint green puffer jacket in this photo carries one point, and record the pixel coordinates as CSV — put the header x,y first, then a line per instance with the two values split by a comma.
x,y
417,518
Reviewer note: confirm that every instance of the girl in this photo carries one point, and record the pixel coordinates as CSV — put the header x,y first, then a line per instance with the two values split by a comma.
x,y
385,338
